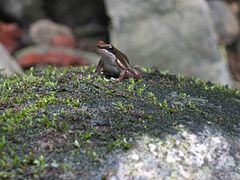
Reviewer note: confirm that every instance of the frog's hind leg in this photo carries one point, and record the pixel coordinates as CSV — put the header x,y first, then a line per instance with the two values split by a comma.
x,y
122,75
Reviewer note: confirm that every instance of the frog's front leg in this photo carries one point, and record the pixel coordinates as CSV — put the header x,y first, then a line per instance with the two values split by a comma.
x,y
99,67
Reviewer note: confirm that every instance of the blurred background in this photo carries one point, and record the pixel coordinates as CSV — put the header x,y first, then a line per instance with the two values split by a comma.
x,y
192,37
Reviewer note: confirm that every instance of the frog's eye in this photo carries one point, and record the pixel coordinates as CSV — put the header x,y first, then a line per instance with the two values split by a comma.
x,y
110,47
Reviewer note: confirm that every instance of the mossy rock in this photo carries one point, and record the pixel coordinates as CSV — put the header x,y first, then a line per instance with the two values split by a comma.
x,y
69,124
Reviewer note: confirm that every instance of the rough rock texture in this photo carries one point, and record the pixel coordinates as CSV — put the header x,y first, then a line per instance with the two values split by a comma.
x,y
169,34
71,124
226,24
8,65
184,155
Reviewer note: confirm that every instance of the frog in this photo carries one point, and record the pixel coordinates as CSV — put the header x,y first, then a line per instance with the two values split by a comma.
x,y
114,63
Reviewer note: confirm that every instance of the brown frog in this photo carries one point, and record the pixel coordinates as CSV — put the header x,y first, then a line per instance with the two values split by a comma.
x,y
114,63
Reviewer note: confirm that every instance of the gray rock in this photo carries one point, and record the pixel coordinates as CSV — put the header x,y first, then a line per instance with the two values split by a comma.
x,y
226,24
184,155
44,30
170,34
8,66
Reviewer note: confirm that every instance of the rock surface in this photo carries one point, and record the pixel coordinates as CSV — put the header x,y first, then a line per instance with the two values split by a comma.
x,y
184,155
8,65
70,124
169,34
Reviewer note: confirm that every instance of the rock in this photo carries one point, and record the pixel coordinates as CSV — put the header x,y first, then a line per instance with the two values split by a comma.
x,y
169,34
63,41
10,34
51,58
226,24
43,31
68,123
8,65
180,156
59,56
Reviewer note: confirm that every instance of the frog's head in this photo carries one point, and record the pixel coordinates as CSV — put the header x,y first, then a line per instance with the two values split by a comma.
x,y
106,50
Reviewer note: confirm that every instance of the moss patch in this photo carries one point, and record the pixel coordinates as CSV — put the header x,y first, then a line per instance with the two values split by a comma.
x,y
58,123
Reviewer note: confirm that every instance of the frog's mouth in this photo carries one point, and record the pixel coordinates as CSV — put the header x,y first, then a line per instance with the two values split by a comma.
x,y
103,45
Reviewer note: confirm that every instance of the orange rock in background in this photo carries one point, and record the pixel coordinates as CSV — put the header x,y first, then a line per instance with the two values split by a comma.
x,y
10,33
53,58
10,44
56,46
10,29
29,60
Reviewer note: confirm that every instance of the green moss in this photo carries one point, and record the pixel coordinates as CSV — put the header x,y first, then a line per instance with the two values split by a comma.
x,y
2,142
119,145
51,113
123,108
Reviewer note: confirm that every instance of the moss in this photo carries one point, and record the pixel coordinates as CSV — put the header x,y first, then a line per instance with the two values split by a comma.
x,y
119,145
50,113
